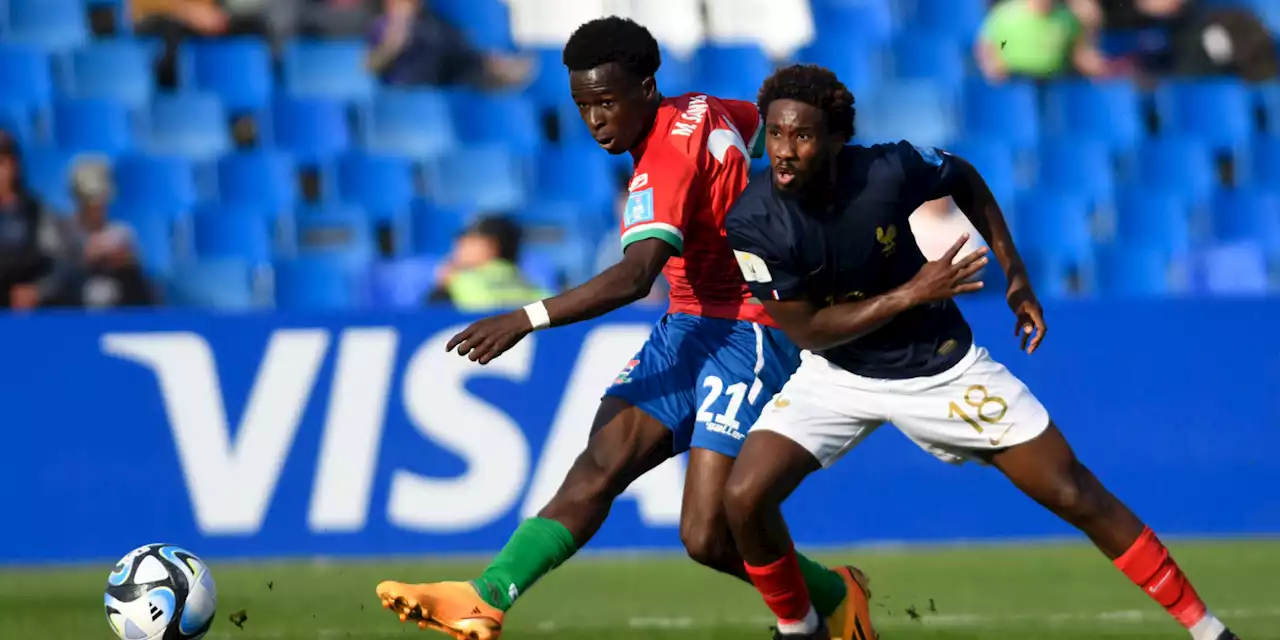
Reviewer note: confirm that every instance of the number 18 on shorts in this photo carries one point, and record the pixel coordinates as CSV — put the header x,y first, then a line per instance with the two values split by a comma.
x,y
976,406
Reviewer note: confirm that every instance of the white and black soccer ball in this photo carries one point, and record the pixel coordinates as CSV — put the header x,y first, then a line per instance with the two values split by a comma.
x,y
160,592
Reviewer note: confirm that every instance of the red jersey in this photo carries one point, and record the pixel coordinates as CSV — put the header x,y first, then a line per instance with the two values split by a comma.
x,y
689,170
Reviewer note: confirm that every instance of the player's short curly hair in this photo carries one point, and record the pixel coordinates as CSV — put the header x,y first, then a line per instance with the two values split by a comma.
x,y
613,39
816,86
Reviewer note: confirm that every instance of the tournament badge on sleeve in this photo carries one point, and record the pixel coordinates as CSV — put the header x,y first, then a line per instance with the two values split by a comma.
x,y
625,375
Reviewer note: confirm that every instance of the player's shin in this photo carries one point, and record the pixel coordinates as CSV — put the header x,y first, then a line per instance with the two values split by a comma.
x,y
781,584
538,546
1150,566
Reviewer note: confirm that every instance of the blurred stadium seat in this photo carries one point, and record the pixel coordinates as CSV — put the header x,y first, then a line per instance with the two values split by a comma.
x,y
118,70
192,125
317,282
416,124
237,71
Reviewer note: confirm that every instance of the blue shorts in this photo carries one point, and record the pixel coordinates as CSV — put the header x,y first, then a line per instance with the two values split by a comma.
x,y
707,379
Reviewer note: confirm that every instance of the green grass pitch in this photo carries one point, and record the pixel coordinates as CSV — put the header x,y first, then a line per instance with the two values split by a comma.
x,y
1034,592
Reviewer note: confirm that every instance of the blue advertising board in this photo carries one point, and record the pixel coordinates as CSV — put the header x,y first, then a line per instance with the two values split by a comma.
x,y
287,434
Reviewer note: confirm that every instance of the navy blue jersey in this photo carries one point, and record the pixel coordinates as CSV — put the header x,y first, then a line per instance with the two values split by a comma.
x,y
853,247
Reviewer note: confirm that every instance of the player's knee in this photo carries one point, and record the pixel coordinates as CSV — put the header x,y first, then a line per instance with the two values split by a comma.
x,y
742,497
707,544
1074,497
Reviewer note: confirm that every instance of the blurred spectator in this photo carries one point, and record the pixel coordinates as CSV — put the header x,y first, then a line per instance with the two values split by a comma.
x,y
937,225
411,45
96,264
329,18
23,264
1037,39
1181,38
176,20
610,253
482,274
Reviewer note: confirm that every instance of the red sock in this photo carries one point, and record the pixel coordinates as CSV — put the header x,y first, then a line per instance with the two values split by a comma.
x,y
1148,565
783,588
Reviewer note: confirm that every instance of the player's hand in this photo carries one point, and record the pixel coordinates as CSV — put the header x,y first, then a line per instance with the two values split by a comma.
x,y
947,277
487,339
1026,307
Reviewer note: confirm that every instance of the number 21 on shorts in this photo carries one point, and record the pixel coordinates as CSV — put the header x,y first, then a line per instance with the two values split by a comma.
x,y
985,408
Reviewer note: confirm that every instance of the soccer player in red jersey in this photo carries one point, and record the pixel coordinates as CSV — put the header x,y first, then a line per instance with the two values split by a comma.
x,y
708,368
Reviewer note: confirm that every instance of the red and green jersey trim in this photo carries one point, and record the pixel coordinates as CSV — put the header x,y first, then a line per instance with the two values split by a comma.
x,y
660,230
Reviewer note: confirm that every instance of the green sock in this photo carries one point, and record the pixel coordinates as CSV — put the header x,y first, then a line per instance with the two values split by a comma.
x,y
826,587
537,547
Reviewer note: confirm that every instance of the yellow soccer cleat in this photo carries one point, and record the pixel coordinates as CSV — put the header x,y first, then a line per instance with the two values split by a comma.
x,y
452,608
852,620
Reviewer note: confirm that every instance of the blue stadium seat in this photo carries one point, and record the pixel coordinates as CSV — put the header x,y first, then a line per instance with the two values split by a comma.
x,y
1248,215
486,178
97,126
332,70
508,119
1234,269
312,129
577,174
994,160
156,182
53,25
1219,111
382,185
220,232
486,23
677,75
192,125
1081,166
26,76
1180,165
1051,273
1109,111
403,283
1056,223
342,230
868,22
237,70
956,18
226,284
1134,271
1004,112
48,173
731,71
435,227
1264,155
550,84
117,70
919,111
319,282
921,55
413,123
851,60
554,221
1152,218
154,233
260,178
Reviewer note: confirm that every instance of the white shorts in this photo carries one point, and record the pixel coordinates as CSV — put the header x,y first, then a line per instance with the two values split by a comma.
x,y
977,405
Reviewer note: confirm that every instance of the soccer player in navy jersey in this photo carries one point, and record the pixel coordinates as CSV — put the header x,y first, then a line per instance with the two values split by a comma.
x,y
825,244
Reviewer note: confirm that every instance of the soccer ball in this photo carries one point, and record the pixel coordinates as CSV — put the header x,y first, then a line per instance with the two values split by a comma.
x,y
160,592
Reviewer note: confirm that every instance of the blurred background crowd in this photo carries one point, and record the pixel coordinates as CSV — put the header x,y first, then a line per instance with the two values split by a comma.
x,y
320,154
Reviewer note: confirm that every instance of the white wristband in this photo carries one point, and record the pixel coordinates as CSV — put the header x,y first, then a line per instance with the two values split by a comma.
x,y
538,316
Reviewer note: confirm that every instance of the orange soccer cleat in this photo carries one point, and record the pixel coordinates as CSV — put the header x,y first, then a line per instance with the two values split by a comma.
x,y
452,608
852,620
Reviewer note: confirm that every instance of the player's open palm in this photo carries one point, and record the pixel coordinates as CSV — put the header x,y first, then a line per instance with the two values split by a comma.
x,y
491,337
947,277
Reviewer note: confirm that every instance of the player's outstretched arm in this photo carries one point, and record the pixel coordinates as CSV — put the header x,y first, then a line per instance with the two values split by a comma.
x,y
615,287
974,198
817,329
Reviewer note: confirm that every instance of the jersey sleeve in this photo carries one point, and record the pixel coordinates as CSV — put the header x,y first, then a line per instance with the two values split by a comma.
x,y
766,263
746,118
661,199
930,173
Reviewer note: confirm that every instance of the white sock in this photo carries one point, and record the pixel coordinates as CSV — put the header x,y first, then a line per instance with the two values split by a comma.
x,y
1209,628
810,624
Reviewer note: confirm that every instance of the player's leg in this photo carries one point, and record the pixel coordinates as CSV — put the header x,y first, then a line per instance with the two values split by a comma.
x,y
1047,470
626,443
980,409
811,423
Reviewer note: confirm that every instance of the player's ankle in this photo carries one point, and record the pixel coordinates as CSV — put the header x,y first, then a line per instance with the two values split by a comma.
x,y
1208,628
494,594
806,625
